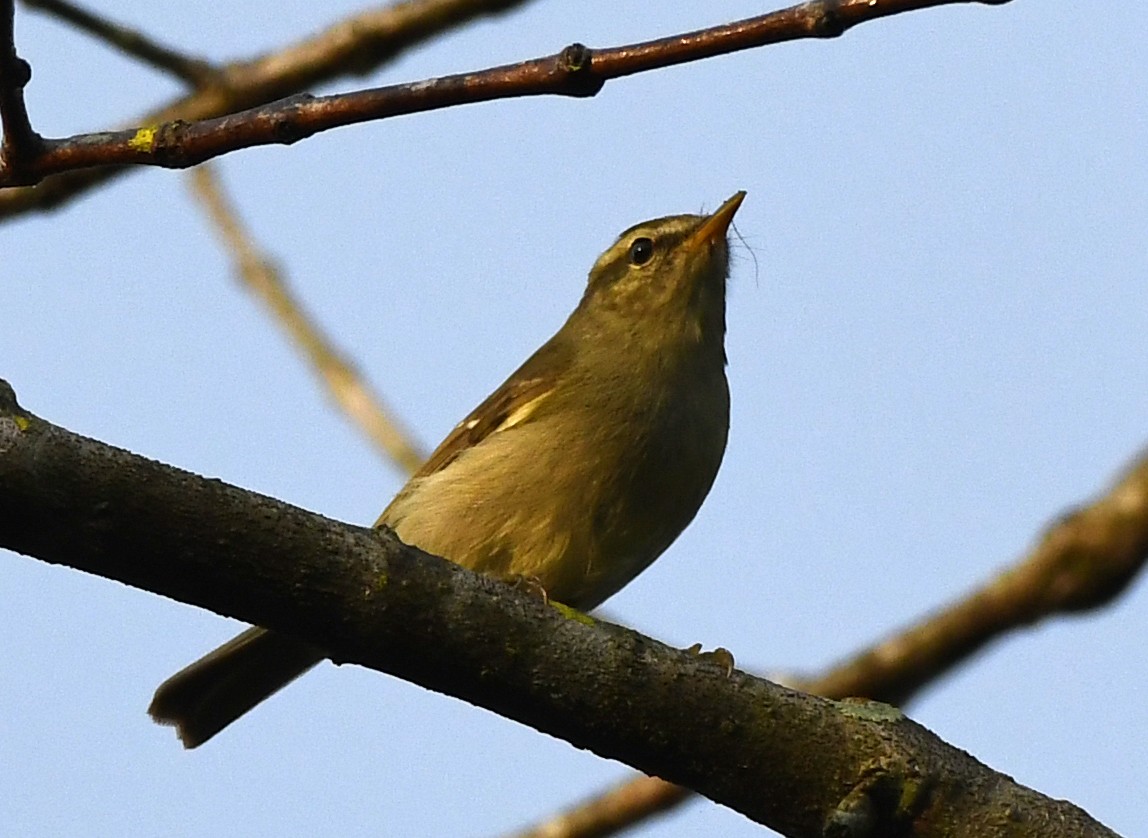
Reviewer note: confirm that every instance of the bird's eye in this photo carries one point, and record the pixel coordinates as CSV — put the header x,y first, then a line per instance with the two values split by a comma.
x,y
641,251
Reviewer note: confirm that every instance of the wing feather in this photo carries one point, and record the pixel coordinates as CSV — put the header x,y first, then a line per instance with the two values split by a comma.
x,y
514,402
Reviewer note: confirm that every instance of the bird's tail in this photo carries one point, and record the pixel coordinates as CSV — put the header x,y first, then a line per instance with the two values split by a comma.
x,y
206,696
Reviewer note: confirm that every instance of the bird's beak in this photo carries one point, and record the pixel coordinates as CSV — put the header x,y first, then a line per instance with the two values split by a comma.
x,y
714,227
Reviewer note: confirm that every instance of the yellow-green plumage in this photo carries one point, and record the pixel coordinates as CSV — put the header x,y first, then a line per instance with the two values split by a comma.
x,y
576,473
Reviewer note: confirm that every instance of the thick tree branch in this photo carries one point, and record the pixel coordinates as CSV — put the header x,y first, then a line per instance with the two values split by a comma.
x,y
803,765
575,71
1083,561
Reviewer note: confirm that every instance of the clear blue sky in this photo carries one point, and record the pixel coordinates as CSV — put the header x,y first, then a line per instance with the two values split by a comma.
x,y
939,343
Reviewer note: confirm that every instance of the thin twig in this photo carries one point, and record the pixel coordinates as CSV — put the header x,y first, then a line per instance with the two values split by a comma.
x,y
346,386
576,71
21,145
1083,561
195,71
359,44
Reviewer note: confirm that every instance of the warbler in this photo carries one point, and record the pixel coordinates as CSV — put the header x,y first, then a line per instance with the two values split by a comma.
x,y
575,474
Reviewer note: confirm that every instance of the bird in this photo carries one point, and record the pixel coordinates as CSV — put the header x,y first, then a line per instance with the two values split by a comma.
x,y
574,475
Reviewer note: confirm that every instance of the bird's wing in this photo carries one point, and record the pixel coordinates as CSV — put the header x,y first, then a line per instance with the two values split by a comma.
x,y
511,404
